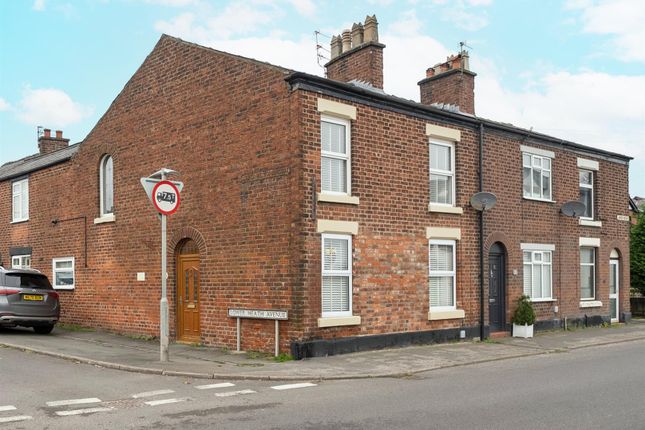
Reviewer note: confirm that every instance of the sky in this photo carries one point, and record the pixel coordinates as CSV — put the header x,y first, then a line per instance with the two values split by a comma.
x,y
574,69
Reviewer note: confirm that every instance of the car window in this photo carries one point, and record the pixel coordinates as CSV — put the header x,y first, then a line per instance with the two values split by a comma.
x,y
26,280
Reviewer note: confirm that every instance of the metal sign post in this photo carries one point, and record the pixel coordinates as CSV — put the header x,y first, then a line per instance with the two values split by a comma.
x,y
165,198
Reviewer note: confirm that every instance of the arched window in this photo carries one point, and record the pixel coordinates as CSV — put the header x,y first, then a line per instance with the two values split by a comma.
x,y
107,185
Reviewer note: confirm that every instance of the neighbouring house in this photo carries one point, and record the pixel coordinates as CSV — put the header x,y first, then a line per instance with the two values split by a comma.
x,y
324,197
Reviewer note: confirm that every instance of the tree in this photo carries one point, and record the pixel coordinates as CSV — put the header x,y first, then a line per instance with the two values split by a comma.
x,y
637,254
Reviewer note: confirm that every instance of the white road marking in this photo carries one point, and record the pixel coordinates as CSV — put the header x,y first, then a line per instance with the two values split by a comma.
x,y
82,411
292,386
74,402
151,393
165,401
211,386
15,418
7,408
234,393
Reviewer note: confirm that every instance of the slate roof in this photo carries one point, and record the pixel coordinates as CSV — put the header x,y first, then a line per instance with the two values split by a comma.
x,y
32,163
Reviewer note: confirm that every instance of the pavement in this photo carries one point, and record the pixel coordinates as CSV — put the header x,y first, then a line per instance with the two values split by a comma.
x,y
133,354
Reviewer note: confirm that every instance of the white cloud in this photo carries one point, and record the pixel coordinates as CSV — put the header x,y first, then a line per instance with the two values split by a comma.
x,y
50,106
407,24
462,18
236,18
304,7
620,19
581,107
171,3
4,105
39,5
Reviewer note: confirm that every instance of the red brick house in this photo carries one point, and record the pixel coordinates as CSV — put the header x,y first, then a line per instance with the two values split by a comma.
x,y
325,197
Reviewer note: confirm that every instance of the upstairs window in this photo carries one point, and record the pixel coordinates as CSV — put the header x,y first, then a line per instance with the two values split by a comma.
x,y
536,174
107,185
20,200
442,275
336,275
335,155
442,173
586,192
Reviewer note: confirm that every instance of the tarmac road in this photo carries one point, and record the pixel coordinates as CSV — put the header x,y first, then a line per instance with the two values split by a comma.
x,y
599,387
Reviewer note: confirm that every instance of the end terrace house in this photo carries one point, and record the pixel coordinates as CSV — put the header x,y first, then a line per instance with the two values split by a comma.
x,y
328,198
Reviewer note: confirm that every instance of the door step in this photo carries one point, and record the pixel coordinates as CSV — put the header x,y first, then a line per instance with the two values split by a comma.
x,y
499,334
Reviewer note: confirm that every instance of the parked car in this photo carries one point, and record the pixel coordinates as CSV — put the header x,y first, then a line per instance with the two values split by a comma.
x,y
27,299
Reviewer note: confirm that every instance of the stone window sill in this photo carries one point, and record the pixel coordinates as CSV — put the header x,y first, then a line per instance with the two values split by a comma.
x,y
590,223
338,321
104,218
338,198
446,315
433,207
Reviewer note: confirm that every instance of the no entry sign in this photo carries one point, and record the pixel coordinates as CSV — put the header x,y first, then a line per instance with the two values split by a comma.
x,y
165,197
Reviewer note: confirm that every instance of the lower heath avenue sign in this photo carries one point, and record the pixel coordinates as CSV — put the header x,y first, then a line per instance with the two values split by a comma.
x,y
258,314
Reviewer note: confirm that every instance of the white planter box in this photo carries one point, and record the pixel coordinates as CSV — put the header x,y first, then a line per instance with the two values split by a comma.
x,y
522,330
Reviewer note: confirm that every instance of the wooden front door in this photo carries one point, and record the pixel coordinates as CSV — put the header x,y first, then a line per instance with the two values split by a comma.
x,y
188,298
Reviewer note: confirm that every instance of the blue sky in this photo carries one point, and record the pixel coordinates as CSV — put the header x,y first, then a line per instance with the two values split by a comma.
x,y
573,69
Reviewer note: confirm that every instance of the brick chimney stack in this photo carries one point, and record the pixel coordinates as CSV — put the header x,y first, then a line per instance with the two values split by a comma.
x,y
47,143
357,54
451,83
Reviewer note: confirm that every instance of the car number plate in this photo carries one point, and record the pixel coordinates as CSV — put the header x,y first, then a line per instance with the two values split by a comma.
x,y
33,297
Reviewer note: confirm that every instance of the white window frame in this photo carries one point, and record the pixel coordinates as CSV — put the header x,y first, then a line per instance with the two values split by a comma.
x,y
443,274
104,160
56,270
337,155
593,272
22,196
450,173
535,263
18,261
533,167
588,187
347,273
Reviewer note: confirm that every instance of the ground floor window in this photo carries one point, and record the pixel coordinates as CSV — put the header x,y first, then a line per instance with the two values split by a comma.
x,y
537,274
587,273
21,261
442,275
336,275
63,273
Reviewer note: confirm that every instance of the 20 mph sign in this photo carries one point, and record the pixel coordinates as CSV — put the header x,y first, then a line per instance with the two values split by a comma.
x,y
165,197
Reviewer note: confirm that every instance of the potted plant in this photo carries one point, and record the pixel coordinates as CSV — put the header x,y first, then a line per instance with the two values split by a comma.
x,y
523,318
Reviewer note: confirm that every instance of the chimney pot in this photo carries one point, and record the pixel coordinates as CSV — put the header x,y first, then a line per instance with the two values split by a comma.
x,y
370,33
48,132
336,46
357,35
59,134
347,40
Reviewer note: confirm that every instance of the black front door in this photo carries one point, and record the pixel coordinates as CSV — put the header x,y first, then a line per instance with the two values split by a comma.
x,y
496,286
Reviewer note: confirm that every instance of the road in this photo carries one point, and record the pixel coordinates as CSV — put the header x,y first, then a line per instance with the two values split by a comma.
x,y
591,388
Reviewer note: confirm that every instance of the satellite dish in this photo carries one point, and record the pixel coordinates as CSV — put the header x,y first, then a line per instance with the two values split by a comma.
x,y
483,201
573,208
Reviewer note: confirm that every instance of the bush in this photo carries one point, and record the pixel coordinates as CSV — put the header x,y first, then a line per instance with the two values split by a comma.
x,y
524,313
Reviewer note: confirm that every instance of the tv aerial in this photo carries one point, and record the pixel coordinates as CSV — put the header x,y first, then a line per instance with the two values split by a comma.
x,y
573,208
483,201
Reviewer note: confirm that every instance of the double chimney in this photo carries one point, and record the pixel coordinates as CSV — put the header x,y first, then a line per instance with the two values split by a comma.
x,y
357,55
48,143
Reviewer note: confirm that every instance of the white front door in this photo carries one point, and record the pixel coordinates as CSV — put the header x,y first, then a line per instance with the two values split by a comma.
x,y
613,290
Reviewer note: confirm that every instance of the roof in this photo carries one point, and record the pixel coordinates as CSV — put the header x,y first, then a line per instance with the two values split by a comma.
x,y
29,164
349,91
637,204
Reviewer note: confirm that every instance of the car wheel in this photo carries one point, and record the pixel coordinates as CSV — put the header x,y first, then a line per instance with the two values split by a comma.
x,y
44,329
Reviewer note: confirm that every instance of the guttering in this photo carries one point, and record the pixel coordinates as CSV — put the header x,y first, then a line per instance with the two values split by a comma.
x,y
305,81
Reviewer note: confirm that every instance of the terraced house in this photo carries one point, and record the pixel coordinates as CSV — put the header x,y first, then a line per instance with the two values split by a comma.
x,y
324,197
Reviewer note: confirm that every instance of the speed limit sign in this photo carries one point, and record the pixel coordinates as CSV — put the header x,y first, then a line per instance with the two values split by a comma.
x,y
165,197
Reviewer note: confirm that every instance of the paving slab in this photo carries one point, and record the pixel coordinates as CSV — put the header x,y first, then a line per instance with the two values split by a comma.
x,y
142,355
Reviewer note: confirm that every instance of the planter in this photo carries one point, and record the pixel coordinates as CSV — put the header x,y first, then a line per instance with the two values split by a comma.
x,y
523,330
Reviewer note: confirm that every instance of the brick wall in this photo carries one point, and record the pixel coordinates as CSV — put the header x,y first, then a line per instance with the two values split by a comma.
x,y
364,63
455,87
